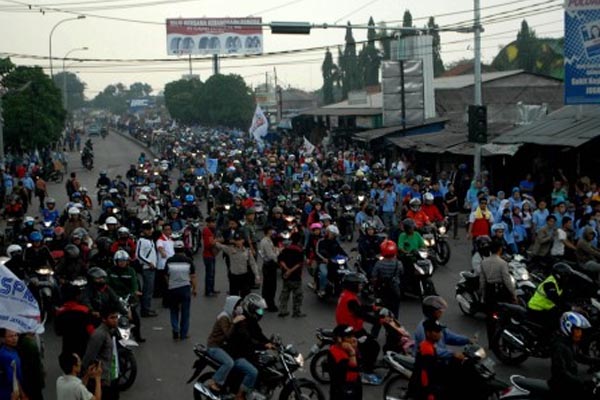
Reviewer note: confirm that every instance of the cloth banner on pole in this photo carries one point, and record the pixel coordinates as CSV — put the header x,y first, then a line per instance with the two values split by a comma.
x,y
309,148
260,125
19,311
211,165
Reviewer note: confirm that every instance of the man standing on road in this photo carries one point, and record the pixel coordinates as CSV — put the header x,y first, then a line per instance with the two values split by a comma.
x,y
209,253
102,348
10,365
146,254
181,278
291,261
164,246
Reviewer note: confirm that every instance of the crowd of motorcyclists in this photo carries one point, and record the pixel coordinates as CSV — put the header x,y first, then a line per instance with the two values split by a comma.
x,y
282,208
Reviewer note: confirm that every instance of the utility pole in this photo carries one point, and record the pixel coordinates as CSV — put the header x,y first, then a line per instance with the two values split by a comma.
x,y
477,75
215,64
278,97
190,64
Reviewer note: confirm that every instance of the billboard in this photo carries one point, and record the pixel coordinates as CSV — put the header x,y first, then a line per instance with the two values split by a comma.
x,y
582,52
214,36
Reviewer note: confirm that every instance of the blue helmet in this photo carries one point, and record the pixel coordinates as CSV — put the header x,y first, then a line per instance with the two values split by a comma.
x,y
176,203
189,198
76,195
108,204
572,319
35,236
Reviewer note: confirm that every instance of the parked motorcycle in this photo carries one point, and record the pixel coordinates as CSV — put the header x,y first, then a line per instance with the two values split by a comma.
x,y
125,346
475,379
276,371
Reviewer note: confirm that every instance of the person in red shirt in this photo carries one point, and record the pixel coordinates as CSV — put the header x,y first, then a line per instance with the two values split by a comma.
x,y
342,359
209,254
430,209
124,242
416,213
20,171
426,378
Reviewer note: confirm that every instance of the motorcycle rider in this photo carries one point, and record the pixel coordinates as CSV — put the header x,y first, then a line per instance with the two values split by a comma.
x,y
122,278
545,304
50,213
247,336
75,221
73,321
71,266
124,242
350,311
384,273
38,255
144,212
368,248
427,380
217,341
98,296
433,308
16,264
496,286
327,248
417,214
103,180
190,210
409,241
343,361
430,209
482,250
565,381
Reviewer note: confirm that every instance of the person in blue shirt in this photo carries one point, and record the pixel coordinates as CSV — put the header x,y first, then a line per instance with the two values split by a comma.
x,y
433,309
515,199
9,362
560,211
388,206
444,183
472,197
8,182
527,185
29,184
50,213
539,216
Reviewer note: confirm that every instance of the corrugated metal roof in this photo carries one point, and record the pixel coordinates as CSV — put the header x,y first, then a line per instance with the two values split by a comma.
x,y
438,142
462,81
341,112
570,126
372,134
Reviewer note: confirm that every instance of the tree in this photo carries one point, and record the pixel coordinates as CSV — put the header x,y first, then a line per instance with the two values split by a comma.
x,y
180,99
113,98
139,90
350,72
32,107
527,47
328,69
75,89
407,22
438,64
369,58
225,100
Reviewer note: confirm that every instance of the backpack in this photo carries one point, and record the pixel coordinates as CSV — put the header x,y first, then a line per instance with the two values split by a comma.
x,y
393,285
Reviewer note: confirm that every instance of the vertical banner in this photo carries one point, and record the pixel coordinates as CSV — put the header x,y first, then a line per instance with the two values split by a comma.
x,y
582,52
260,125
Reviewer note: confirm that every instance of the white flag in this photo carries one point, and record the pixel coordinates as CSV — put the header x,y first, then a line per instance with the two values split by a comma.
x,y
308,146
260,125
19,311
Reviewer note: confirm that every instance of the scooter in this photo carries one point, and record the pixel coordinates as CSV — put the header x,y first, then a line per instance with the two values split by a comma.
x,y
418,270
337,268
125,346
523,388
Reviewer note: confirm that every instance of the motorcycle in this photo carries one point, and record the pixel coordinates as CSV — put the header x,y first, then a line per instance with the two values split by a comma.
x,y
87,160
418,270
337,268
259,208
276,371
191,235
476,371
102,194
523,388
468,294
436,241
346,223
125,346
43,285
318,355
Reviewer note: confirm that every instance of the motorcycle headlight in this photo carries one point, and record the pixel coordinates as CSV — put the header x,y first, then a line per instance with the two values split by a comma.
x,y
423,254
524,275
299,360
480,353
47,224
227,207
348,208
442,230
124,333
361,198
44,271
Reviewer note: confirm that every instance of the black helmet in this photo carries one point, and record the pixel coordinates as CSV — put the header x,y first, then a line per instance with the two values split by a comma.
x,y
432,304
254,306
97,273
482,245
345,186
408,224
72,251
353,280
561,271
104,243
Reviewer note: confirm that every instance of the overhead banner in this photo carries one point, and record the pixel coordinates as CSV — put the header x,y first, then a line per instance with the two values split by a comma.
x,y
214,36
19,311
582,52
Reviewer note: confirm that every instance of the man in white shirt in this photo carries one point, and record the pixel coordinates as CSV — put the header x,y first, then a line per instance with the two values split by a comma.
x,y
147,256
70,387
164,246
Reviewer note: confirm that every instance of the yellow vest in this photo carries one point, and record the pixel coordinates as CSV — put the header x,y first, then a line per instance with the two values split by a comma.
x,y
539,301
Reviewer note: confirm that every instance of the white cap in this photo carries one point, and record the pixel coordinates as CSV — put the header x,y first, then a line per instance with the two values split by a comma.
x,y
111,220
143,197
74,211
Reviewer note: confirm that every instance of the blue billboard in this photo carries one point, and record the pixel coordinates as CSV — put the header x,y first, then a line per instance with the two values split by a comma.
x,y
582,52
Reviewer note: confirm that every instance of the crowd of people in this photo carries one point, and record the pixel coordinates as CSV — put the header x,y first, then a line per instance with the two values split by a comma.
x,y
271,211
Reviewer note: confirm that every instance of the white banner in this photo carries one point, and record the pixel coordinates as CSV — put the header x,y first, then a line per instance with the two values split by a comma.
x,y
309,148
260,125
19,311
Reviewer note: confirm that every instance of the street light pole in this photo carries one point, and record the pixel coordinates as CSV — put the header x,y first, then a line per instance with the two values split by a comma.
x,y
477,75
65,100
50,39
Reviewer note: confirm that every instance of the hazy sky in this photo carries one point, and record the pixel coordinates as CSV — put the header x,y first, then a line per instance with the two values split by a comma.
x,y
26,32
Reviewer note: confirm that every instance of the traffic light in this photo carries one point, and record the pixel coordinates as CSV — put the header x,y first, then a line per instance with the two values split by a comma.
x,y
478,124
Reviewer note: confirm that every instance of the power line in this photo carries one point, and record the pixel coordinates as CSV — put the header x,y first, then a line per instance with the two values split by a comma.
x,y
261,12
367,4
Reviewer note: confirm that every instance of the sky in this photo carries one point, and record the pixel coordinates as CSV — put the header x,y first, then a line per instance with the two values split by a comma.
x,y
26,32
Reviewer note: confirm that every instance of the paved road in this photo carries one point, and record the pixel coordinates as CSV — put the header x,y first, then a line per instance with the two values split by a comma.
x,y
164,365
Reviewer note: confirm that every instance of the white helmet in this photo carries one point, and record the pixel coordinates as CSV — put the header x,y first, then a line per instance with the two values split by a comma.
x,y
111,220
238,180
333,230
143,197
121,255
74,211
12,249
428,196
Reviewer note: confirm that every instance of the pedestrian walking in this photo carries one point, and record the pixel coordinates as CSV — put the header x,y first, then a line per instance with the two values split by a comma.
x,y
41,190
291,261
181,276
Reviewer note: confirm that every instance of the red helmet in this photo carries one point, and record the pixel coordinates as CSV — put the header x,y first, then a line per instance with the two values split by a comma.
x,y
388,248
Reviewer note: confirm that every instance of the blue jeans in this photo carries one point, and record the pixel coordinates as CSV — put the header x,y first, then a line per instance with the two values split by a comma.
x,y
389,219
209,277
250,374
148,289
226,362
322,276
179,303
